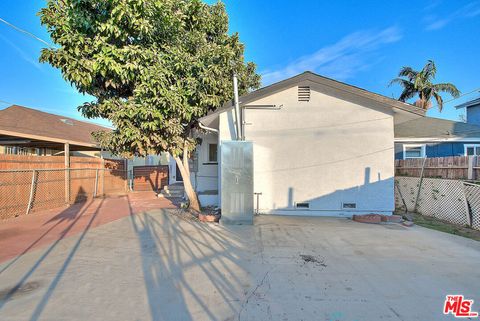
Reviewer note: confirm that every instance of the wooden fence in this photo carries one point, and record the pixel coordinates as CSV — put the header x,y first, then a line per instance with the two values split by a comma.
x,y
454,167
15,162
150,178
32,183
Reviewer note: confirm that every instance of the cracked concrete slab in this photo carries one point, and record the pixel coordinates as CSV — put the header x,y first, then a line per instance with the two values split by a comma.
x,y
155,266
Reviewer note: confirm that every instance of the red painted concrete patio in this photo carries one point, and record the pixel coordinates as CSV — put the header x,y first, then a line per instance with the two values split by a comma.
x,y
24,233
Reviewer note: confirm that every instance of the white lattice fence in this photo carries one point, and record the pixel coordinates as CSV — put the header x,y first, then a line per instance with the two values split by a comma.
x,y
407,188
473,196
443,199
454,201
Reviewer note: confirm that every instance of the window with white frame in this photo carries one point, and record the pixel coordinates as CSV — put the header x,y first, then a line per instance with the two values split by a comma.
x,y
212,153
414,151
472,149
14,150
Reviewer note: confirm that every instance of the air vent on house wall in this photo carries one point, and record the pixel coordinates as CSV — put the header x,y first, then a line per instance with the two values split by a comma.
x,y
303,93
302,205
349,206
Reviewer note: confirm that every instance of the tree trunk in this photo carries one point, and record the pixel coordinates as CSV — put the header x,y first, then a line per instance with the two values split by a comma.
x,y
187,183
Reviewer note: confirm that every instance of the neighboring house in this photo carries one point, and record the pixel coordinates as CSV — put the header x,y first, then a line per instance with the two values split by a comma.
x,y
472,112
434,137
27,131
321,147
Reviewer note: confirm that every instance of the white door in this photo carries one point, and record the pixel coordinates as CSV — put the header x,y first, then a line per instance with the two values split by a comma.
x,y
174,175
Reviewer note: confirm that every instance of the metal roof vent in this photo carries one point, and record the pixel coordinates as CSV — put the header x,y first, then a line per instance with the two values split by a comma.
x,y
349,206
67,121
302,205
304,93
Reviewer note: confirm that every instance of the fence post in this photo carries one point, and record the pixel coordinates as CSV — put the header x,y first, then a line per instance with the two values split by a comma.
x,y
103,174
401,196
67,172
96,184
471,161
103,182
32,190
419,184
467,205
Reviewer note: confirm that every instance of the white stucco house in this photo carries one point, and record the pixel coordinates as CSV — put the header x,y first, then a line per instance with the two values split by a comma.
x,y
320,147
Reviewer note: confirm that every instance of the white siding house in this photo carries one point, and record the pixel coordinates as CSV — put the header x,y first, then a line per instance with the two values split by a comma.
x,y
320,147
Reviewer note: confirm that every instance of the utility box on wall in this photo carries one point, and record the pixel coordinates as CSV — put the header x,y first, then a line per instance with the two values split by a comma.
x,y
236,182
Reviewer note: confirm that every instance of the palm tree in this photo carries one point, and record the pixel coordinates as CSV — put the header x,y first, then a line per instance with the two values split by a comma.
x,y
421,83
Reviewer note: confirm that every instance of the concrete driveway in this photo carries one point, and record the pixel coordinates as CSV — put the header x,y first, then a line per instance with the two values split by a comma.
x,y
156,266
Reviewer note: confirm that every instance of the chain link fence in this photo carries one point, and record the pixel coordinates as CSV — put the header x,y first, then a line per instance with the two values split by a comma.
x,y
25,191
455,201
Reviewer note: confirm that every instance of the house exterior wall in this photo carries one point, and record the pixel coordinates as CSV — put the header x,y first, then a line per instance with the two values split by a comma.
x,y
205,176
331,150
17,150
473,115
162,159
433,149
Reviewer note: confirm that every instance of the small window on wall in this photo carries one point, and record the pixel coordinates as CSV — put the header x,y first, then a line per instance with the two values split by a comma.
x,y
472,149
212,153
413,151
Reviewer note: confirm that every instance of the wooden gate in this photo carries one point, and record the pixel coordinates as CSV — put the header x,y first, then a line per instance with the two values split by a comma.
x,y
150,178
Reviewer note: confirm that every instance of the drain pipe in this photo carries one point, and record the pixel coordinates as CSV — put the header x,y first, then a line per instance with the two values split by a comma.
x,y
202,126
237,108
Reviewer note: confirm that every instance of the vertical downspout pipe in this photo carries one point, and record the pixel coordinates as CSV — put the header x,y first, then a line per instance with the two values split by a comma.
x,y
237,107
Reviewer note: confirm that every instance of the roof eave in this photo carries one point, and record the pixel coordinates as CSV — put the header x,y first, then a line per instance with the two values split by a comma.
x,y
310,76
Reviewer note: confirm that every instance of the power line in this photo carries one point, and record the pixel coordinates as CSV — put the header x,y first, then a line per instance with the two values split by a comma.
x,y
25,32
462,95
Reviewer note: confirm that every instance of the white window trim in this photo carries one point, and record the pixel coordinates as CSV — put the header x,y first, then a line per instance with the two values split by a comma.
x,y
209,161
405,146
470,145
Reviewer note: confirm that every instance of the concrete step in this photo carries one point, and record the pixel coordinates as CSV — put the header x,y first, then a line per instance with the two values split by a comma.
x,y
174,187
163,194
172,193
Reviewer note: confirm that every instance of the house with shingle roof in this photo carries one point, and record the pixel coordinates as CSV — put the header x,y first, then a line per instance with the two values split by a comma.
x,y
33,132
435,137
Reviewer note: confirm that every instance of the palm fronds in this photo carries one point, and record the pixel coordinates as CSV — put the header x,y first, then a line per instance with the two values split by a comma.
x,y
421,83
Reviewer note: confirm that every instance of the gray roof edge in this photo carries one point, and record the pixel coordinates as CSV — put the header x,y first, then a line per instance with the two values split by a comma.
x,y
468,130
311,76
469,103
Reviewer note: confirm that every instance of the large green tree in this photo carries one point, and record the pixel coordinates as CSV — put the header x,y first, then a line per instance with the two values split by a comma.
x,y
154,67
421,83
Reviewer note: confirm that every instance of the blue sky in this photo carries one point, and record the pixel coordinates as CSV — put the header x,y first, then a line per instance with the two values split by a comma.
x,y
361,43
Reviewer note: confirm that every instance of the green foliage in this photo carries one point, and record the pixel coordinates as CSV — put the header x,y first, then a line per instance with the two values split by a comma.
x,y
421,83
154,66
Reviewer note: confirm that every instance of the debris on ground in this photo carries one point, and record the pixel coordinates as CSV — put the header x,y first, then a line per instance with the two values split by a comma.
x,y
211,210
307,258
185,214
408,216
368,218
377,218
408,223
209,218
392,218
210,214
